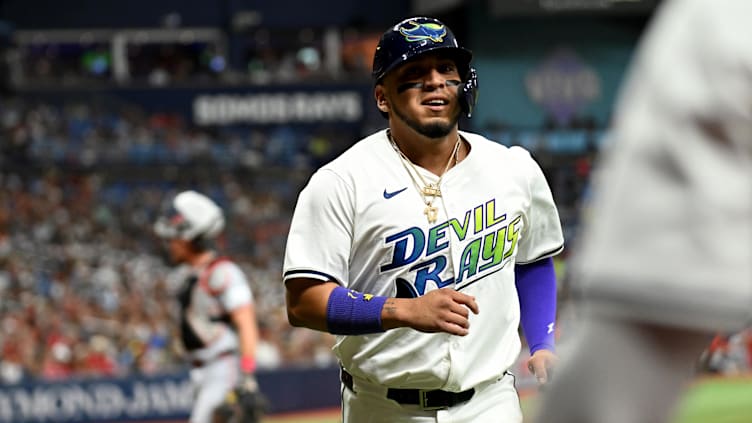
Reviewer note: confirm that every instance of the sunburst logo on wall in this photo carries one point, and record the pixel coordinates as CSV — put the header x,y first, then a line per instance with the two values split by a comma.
x,y
563,84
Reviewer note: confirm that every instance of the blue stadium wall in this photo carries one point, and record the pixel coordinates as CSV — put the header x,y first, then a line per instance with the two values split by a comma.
x,y
162,398
508,51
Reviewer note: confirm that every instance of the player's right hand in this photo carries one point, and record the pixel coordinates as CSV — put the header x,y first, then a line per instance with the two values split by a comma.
x,y
439,310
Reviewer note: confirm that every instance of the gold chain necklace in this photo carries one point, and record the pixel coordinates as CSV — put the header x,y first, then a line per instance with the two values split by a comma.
x,y
429,191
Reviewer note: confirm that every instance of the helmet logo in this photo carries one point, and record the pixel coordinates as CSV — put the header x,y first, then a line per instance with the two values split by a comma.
x,y
425,31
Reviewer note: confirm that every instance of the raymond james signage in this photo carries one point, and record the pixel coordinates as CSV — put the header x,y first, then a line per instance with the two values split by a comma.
x,y
156,398
276,108
97,401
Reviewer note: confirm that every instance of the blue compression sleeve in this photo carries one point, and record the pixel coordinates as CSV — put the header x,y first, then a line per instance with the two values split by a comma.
x,y
350,312
536,288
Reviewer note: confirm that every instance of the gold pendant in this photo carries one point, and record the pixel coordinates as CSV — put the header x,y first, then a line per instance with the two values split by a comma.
x,y
432,190
431,213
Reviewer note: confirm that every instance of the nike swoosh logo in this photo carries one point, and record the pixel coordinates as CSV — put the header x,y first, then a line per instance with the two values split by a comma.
x,y
389,195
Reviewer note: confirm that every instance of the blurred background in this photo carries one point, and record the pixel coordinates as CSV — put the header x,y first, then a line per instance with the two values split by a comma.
x,y
107,107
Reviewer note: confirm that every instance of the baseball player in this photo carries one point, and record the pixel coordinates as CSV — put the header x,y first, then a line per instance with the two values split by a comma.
x,y
422,247
217,318
666,258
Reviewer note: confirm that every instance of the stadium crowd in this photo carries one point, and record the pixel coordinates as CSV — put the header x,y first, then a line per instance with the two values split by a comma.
x,y
86,289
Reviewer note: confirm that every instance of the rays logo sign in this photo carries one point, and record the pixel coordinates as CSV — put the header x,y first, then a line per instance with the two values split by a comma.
x,y
426,31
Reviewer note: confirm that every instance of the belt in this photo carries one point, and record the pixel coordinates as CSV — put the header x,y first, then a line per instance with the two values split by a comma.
x,y
428,399
201,363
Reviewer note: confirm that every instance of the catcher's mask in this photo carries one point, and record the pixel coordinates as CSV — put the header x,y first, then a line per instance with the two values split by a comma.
x,y
190,216
419,35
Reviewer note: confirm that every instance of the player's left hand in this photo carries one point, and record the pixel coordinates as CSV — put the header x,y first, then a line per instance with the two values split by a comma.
x,y
541,364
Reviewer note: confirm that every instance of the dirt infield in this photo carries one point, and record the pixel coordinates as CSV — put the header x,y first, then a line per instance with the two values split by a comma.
x,y
329,415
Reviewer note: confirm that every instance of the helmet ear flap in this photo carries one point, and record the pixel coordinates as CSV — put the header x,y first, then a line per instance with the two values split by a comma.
x,y
469,95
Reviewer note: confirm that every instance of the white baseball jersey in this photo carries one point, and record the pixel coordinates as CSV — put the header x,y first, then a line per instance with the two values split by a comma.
x,y
360,222
670,232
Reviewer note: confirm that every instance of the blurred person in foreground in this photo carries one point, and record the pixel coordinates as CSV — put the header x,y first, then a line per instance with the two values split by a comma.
x,y
665,260
217,316
425,248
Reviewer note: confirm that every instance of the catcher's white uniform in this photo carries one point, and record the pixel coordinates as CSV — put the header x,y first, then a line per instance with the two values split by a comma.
x,y
360,222
207,334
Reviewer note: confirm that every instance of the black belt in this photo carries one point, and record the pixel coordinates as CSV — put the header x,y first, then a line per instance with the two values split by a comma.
x,y
428,399
201,363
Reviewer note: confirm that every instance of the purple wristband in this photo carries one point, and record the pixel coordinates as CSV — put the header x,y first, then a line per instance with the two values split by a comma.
x,y
350,312
536,288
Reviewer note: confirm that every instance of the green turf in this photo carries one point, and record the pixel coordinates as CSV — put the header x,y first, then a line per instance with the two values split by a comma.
x,y
708,401
717,401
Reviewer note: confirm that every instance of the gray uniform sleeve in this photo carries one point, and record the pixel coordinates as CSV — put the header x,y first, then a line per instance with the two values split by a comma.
x,y
669,233
229,281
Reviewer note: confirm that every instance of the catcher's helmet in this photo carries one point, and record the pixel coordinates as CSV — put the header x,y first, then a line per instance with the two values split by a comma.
x,y
419,35
190,216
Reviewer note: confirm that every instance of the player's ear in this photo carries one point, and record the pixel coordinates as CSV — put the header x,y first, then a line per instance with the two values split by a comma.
x,y
381,101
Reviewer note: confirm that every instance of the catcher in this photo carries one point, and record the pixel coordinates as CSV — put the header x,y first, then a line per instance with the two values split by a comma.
x,y
217,317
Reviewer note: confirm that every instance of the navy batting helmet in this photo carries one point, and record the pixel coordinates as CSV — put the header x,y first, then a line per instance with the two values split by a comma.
x,y
419,35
